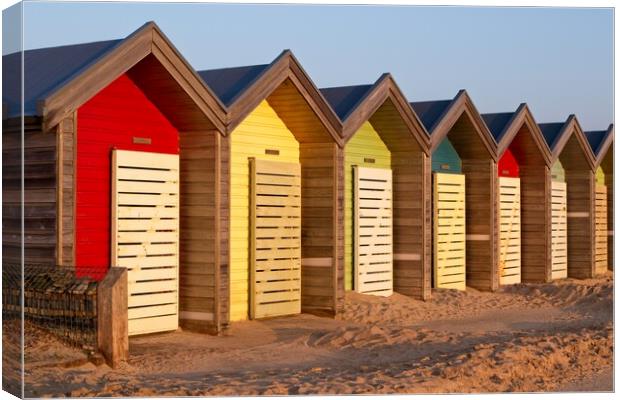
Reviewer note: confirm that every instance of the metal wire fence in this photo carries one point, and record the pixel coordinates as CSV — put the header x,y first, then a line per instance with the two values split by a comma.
x,y
59,299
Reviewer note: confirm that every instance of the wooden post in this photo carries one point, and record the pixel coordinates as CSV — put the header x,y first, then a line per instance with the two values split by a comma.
x,y
112,334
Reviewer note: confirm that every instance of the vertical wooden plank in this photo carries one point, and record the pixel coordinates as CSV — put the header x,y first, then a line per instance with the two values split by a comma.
x,y
252,244
147,179
510,230
449,244
372,231
559,229
275,238
59,194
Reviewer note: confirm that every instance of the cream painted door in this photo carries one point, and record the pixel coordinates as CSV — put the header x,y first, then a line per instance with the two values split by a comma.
x,y
275,238
509,230
559,239
449,231
372,231
601,229
145,236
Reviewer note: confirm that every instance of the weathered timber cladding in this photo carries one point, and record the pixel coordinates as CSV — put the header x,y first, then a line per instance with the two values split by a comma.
x,y
580,200
481,201
66,188
199,222
535,223
224,231
320,188
412,223
39,208
528,148
608,167
322,195
482,220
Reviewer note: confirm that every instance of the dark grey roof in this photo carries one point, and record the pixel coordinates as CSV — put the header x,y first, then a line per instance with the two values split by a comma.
x,y
345,99
551,132
429,112
497,122
596,138
45,71
229,83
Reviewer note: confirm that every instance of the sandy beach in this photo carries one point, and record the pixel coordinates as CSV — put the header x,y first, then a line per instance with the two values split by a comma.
x,y
523,338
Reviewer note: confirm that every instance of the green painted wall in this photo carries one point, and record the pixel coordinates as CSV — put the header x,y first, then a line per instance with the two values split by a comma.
x,y
364,147
557,172
446,159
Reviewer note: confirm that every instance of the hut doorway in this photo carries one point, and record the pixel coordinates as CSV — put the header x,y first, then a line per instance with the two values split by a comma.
x,y
372,231
509,220
559,237
449,240
600,211
145,236
275,237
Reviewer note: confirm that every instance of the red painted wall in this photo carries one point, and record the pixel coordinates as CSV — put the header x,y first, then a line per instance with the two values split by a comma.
x,y
110,120
508,165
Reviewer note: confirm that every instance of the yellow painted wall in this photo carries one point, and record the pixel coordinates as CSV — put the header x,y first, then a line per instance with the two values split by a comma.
x,y
260,131
600,176
366,143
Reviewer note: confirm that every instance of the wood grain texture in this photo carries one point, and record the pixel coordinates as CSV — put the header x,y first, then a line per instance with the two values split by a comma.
x,y
40,196
112,321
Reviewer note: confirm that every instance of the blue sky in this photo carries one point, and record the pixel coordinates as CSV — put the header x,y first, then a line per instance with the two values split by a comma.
x,y
558,60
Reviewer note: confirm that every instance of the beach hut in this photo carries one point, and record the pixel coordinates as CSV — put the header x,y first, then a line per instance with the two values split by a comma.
x,y
386,173
119,171
572,199
464,164
279,164
523,169
601,143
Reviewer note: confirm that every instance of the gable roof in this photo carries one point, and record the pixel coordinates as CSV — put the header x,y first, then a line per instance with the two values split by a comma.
x,y
229,83
357,104
60,79
497,123
557,134
600,142
344,99
45,70
241,89
505,126
442,115
551,132
430,112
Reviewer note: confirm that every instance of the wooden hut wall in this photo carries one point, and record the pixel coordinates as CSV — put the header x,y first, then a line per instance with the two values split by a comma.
x,y
480,204
600,222
203,270
580,184
608,164
535,178
322,213
411,197
203,249
364,149
39,207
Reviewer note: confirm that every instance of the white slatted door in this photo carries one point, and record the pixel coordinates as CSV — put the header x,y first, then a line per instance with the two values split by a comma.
x,y
145,236
600,229
510,230
275,238
372,231
559,239
449,231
